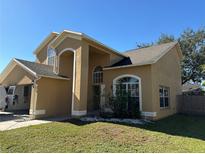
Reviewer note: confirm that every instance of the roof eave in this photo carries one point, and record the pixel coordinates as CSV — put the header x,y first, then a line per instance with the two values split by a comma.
x,y
63,35
59,78
45,41
127,66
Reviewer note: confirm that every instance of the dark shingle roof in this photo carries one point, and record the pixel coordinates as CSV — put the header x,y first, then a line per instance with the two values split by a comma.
x,y
40,69
143,56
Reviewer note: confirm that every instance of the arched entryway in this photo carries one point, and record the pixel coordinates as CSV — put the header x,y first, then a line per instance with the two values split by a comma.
x,y
131,85
66,66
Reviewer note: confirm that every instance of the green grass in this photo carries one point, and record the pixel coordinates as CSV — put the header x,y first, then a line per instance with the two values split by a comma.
x,y
174,134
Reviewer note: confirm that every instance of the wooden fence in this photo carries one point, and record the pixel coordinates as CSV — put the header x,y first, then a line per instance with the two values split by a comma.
x,y
194,105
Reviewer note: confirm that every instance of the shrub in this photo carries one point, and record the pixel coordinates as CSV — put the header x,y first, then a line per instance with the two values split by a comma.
x,y
120,106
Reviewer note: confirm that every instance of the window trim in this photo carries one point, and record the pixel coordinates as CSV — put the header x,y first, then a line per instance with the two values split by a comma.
x,y
13,92
54,57
139,82
168,88
100,74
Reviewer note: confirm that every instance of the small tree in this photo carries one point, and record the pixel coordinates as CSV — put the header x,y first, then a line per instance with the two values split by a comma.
x,y
118,103
96,96
123,105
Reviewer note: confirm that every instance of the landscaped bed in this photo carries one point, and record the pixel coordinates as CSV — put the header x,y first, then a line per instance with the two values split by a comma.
x,y
174,134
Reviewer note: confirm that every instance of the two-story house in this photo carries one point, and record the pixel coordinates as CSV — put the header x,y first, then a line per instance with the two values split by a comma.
x,y
70,64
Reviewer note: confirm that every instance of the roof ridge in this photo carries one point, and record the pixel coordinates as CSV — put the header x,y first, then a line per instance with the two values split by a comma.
x,y
155,45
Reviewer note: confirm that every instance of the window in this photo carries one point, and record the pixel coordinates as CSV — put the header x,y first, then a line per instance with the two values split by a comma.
x,y
51,56
98,75
11,90
164,97
128,85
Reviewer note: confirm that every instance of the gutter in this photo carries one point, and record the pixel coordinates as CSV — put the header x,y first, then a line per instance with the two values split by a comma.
x,y
125,66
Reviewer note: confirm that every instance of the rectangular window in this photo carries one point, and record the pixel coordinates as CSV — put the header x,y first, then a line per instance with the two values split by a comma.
x,y
51,61
98,77
11,90
51,56
164,96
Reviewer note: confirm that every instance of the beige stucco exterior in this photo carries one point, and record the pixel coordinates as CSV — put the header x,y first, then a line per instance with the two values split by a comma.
x,y
166,72
17,76
51,98
143,72
76,58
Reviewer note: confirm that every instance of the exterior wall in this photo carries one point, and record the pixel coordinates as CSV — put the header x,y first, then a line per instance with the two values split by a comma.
x,y
41,57
18,76
166,72
81,79
114,57
144,72
95,59
84,67
51,98
66,64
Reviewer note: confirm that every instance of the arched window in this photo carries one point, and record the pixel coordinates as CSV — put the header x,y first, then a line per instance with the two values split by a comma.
x,y
98,75
51,56
128,86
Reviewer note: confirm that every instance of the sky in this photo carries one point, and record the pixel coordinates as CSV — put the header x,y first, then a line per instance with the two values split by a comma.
x,y
120,24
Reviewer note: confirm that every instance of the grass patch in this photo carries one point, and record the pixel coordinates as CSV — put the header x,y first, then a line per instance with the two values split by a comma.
x,y
178,133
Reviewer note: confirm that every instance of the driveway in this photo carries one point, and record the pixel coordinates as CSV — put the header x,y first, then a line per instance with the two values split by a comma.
x,y
9,120
6,116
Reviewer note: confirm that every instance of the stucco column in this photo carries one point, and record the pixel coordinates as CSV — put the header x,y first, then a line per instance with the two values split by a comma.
x,y
33,101
81,81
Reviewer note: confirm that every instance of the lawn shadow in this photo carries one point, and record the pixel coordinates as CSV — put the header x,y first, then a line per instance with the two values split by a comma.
x,y
77,122
177,125
180,125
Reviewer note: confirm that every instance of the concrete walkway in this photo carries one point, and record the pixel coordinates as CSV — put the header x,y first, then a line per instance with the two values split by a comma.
x,y
13,124
8,121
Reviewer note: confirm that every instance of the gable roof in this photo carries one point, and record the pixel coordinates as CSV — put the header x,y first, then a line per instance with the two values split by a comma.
x,y
41,70
77,35
50,37
145,56
35,69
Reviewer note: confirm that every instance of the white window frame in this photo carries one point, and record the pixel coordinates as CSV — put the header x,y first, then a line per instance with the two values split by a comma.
x,y
139,83
97,77
164,96
12,87
53,56
127,89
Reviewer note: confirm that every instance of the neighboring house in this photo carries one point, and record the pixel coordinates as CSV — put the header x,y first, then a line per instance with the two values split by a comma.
x,y
69,65
191,89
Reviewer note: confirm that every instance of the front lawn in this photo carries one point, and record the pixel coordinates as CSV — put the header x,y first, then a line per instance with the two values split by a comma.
x,y
178,133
